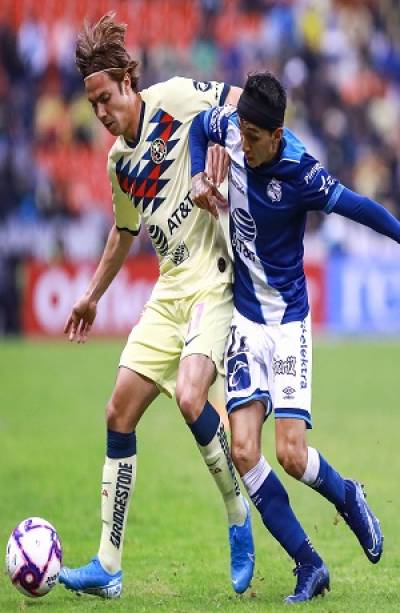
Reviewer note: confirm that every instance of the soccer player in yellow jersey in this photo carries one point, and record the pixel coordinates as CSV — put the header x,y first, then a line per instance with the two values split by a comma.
x,y
178,344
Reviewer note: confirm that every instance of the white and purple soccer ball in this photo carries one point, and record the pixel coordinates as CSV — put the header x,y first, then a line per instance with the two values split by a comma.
x,y
34,557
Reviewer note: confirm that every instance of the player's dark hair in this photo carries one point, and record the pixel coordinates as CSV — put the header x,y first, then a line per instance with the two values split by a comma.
x,y
102,46
263,101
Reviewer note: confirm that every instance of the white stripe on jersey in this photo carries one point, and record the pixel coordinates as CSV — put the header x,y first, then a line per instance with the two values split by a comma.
x,y
271,302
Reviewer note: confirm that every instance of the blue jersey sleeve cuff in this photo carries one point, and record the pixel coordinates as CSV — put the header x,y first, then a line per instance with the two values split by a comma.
x,y
334,198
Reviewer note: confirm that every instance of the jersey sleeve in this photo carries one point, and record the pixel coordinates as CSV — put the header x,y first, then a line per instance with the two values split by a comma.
x,y
318,190
208,126
215,123
125,214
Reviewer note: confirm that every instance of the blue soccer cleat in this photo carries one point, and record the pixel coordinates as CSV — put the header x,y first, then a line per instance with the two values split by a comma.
x,y
311,581
362,521
242,553
92,579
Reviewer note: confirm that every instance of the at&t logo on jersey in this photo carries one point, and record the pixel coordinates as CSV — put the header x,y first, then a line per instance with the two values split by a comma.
x,y
244,224
274,190
159,239
244,231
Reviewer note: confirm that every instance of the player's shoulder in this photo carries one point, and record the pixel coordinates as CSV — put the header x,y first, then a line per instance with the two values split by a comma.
x,y
170,87
293,148
295,158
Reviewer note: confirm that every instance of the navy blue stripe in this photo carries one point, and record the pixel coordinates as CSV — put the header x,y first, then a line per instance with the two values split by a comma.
x,y
284,413
256,395
224,94
206,425
121,444
132,143
133,232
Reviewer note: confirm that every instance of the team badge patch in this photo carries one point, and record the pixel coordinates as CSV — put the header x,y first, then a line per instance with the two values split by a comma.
x,y
202,86
158,150
180,254
274,190
238,373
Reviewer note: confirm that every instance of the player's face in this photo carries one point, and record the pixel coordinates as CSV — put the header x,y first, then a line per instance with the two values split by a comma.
x,y
111,101
259,145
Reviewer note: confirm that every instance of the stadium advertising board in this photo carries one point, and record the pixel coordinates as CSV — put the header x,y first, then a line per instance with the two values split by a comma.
x,y
50,291
363,296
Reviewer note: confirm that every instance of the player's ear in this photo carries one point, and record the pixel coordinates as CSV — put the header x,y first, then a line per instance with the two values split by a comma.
x,y
277,134
126,83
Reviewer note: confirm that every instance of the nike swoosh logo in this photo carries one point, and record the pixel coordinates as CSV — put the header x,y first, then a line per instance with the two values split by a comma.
x,y
191,339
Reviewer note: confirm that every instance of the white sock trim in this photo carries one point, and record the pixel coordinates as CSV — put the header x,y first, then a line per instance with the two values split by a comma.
x,y
256,476
311,473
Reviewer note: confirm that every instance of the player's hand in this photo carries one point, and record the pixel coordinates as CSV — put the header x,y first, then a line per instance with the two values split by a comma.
x,y
205,195
81,319
217,164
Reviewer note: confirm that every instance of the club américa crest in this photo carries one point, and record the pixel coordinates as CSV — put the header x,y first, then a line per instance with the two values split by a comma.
x,y
158,150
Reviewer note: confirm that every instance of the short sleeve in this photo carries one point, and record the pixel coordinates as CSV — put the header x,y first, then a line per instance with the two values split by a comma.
x,y
216,121
125,214
319,191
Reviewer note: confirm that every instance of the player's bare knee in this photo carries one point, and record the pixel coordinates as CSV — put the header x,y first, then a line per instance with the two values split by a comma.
x,y
292,457
245,454
190,403
117,416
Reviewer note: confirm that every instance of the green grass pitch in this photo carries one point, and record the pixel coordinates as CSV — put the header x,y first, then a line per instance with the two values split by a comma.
x,y
176,552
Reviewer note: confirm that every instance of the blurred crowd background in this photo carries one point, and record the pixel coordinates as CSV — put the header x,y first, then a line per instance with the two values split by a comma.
x,y
339,60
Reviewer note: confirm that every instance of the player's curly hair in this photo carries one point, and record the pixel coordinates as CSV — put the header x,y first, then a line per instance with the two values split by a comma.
x,y
102,47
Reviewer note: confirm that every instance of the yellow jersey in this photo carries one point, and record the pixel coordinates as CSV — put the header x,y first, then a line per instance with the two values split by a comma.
x,y
151,182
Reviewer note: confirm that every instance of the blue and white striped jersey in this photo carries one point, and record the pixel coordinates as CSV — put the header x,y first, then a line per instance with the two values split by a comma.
x,y
268,208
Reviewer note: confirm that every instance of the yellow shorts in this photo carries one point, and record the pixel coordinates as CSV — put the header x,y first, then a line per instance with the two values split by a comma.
x,y
170,330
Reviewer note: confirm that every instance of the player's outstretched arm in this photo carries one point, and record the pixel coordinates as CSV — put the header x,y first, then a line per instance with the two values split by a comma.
x,y
83,313
367,212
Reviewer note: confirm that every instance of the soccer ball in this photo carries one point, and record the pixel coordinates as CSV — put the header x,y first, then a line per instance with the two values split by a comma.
x,y
34,557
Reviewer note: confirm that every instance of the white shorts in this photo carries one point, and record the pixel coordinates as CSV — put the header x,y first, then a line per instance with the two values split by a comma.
x,y
272,364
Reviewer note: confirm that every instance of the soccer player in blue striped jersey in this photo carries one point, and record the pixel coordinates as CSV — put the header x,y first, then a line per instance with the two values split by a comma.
x,y
273,183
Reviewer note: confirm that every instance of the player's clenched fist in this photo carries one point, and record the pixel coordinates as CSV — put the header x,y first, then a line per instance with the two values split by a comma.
x,y
81,319
205,195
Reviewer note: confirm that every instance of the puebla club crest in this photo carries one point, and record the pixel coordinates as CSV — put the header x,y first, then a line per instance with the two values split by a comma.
x,y
158,150
274,190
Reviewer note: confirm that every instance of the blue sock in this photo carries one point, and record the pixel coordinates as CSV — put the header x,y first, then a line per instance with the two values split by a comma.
x,y
306,554
330,484
272,502
206,425
121,444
